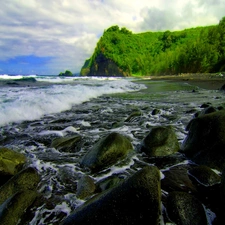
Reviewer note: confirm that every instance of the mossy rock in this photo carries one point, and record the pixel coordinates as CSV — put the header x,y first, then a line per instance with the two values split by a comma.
x,y
185,209
85,187
205,175
26,179
133,115
136,200
15,207
160,141
67,144
205,142
106,152
11,162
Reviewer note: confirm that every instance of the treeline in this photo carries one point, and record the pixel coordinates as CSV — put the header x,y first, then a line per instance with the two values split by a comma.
x,y
195,50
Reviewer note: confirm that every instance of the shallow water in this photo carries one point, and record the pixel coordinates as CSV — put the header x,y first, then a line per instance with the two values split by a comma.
x,y
101,113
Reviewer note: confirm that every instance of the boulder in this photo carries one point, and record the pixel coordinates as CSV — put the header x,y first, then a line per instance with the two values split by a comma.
x,y
136,200
204,175
160,141
11,162
207,110
67,144
205,142
107,152
85,187
133,115
26,179
185,209
15,207
176,179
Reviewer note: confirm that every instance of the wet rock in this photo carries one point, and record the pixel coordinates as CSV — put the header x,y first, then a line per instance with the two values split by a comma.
x,y
185,209
163,162
205,142
137,200
108,183
133,115
156,112
85,187
160,141
222,88
205,105
26,179
15,207
177,179
107,152
11,162
191,111
207,110
67,144
204,175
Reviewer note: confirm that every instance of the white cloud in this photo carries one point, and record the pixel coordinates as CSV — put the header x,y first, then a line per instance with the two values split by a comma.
x,y
68,30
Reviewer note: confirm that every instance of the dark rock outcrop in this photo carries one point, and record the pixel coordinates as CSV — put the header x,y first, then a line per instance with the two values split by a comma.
x,y
137,200
205,142
160,141
103,66
107,152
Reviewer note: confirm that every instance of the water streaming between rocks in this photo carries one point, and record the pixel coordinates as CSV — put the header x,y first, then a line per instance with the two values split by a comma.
x,y
93,119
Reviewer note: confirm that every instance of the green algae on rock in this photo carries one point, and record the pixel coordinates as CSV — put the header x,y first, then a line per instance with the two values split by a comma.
x,y
107,152
11,162
137,200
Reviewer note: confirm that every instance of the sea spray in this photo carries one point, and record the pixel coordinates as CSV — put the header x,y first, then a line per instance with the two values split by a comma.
x,y
31,103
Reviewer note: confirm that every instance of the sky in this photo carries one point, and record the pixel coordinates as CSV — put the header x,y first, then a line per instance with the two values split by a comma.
x,y
47,37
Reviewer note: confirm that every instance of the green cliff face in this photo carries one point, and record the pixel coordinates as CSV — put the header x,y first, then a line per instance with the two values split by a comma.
x,y
121,53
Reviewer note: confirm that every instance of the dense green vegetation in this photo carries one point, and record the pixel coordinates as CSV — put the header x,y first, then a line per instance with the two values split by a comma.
x,y
195,50
67,73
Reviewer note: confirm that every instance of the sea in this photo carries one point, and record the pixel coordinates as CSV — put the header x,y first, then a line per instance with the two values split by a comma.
x,y
34,110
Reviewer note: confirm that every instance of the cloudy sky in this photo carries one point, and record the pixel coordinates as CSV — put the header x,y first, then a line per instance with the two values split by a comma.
x,y
50,36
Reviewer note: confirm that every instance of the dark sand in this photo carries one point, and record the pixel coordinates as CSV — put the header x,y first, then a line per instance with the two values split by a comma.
x,y
210,82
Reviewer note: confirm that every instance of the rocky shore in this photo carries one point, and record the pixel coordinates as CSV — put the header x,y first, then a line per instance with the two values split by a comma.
x,y
167,182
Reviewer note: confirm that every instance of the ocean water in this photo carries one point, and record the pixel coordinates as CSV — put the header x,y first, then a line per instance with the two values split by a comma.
x,y
36,109
26,99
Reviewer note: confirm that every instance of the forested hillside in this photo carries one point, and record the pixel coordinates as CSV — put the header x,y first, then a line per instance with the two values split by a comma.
x,y
195,50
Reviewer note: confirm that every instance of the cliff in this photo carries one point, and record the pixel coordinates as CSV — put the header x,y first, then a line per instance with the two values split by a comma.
x,y
119,52
102,66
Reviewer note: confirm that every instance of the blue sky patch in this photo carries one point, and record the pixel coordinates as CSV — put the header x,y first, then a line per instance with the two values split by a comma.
x,y
24,64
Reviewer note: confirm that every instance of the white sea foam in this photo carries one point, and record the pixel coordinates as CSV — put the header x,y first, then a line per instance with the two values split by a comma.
x,y
30,103
14,77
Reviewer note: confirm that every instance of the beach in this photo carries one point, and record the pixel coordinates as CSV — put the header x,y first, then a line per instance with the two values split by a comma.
x,y
56,124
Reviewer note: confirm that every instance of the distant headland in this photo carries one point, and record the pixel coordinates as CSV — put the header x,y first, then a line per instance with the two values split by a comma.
x,y
119,52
